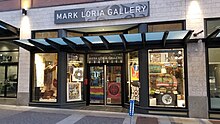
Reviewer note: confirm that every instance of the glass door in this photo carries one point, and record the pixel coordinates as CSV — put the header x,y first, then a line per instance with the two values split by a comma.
x,y
2,81
105,85
97,84
11,81
8,80
113,85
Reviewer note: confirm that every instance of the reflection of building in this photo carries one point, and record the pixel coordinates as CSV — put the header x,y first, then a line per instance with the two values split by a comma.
x,y
155,58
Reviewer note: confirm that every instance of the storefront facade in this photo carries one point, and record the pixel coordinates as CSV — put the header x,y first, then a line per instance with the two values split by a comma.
x,y
154,58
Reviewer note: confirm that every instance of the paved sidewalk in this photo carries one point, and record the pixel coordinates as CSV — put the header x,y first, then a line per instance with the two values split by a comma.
x,y
10,114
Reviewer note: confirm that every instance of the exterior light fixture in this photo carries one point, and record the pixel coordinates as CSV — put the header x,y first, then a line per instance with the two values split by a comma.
x,y
24,12
196,34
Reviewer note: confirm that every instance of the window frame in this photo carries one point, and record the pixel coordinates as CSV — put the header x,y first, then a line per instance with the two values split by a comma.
x,y
183,22
209,45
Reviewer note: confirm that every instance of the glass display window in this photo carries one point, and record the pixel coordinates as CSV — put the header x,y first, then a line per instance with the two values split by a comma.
x,y
45,78
133,76
75,78
214,77
166,78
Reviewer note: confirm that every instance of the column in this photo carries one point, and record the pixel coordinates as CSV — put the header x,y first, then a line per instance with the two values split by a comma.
x,y
62,73
23,91
62,77
196,62
197,84
143,79
144,85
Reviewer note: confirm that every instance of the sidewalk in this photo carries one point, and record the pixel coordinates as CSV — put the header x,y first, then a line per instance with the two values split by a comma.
x,y
10,114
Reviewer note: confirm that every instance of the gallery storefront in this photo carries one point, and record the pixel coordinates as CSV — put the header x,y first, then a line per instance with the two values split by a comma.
x,y
162,54
110,69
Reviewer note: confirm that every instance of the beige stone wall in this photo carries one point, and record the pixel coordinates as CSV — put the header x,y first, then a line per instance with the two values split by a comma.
x,y
197,82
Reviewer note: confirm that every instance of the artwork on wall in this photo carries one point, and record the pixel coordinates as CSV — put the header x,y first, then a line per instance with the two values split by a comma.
x,y
134,73
77,74
114,90
134,92
96,93
74,91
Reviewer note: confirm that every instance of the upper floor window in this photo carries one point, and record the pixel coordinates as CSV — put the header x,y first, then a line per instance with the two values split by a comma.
x,y
212,25
166,26
45,34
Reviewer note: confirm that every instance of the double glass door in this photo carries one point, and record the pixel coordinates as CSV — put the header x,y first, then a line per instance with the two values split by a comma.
x,y
8,80
105,84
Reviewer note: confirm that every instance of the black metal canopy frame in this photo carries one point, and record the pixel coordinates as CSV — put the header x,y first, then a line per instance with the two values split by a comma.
x,y
121,42
214,36
8,31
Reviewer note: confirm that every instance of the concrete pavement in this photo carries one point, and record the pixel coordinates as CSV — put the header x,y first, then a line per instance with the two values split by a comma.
x,y
10,114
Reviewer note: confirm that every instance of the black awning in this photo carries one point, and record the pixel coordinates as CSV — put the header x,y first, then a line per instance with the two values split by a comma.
x,y
214,36
8,31
121,42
